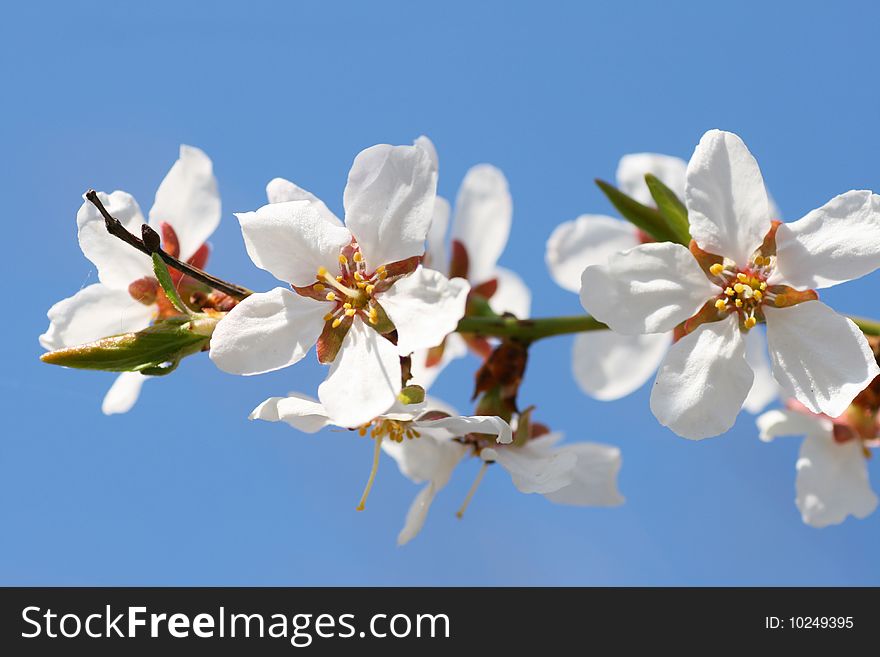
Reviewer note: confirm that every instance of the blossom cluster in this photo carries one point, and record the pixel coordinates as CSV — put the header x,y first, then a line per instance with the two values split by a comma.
x,y
698,280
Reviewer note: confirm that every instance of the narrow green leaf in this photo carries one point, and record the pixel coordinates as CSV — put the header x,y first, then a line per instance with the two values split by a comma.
x,y
671,207
164,278
165,342
647,219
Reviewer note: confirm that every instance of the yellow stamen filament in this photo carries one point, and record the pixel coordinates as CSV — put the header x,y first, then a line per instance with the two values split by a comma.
x,y
470,494
716,269
322,272
362,504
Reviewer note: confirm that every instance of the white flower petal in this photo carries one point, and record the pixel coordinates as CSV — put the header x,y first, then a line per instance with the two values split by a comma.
x,y
835,243
417,514
435,253
648,289
267,331
631,170
784,422
280,190
292,240
764,387
594,476
188,200
425,458
512,296
299,411
389,202
819,357
607,365
483,214
118,264
588,240
458,426
832,481
425,307
364,379
94,312
703,382
536,469
422,375
725,196
427,145
123,394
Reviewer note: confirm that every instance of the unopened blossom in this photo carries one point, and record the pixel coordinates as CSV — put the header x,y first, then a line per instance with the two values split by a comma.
x,y
356,291
743,269
425,439
608,365
186,211
480,229
832,467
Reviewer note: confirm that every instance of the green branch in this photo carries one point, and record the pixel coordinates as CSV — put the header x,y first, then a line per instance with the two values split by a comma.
x,y
528,329
867,326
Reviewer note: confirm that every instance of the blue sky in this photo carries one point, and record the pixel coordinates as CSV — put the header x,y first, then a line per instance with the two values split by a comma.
x,y
185,490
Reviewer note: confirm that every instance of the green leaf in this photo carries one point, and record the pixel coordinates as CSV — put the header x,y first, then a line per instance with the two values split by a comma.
x,y
671,207
146,351
164,278
647,219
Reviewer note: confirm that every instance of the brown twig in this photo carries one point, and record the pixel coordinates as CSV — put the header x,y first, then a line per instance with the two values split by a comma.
x,y
151,246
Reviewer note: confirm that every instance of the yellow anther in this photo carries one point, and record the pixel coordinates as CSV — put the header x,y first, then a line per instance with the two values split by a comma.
x,y
716,269
343,260
357,256
369,289
374,320
729,291
363,430
763,285
750,322
738,288
346,305
328,317
330,296
322,271
721,304
350,312
339,278
380,269
754,282
361,285
336,322
739,303
358,276
382,274
759,261
758,294
742,277
318,287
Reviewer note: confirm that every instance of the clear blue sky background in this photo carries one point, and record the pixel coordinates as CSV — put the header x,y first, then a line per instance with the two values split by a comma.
x,y
184,490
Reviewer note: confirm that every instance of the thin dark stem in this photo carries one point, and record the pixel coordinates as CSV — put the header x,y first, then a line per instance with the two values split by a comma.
x,y
115,228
